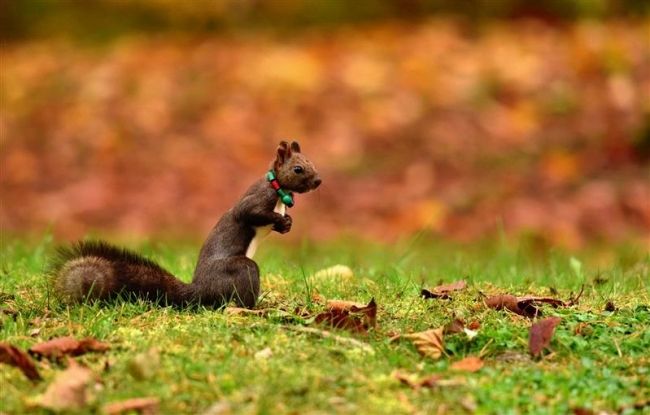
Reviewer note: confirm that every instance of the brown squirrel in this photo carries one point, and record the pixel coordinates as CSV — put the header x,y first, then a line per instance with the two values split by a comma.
x,y
225,270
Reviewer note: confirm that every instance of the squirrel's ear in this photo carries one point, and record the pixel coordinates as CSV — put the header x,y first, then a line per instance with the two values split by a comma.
x,y
284,152
295,147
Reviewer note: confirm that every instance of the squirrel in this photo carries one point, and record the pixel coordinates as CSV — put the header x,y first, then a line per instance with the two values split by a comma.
x,y
225,270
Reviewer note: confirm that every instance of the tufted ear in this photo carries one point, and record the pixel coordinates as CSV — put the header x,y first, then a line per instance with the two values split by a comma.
x,y
283,153
295,147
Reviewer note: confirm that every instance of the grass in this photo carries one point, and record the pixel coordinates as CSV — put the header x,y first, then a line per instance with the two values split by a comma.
x,y
199,358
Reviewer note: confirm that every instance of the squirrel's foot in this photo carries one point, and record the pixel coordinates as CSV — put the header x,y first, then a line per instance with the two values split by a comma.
x,y
283,225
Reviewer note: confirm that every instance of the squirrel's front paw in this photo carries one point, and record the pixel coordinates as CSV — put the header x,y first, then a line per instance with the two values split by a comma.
x,y
283,225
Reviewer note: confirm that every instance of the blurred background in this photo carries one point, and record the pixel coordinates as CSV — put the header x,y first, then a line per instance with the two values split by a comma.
x,y
458,119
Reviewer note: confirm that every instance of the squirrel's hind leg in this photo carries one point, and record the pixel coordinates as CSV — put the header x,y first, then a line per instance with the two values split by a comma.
x,y
222,280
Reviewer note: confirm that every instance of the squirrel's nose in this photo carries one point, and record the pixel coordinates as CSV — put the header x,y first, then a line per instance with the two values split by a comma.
x,y
317,182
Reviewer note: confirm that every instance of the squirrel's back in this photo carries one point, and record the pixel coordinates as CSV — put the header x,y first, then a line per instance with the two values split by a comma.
x,y
98,271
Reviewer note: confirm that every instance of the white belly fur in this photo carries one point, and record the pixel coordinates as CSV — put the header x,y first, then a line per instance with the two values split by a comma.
x,y
262,231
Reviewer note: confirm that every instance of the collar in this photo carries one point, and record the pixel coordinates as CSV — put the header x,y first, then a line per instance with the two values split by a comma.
x,y
285,197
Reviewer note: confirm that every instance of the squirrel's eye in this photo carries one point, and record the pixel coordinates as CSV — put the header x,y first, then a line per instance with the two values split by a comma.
x,y
298,169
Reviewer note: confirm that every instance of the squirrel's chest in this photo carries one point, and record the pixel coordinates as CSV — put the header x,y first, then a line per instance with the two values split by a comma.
x,y
262,231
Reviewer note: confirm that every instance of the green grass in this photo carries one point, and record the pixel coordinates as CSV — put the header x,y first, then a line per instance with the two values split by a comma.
x,y
207,356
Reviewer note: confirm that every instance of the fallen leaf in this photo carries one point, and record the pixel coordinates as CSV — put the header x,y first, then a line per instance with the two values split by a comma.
x,y
13,356
442,291
454,286
69,389
416,383
510,302
525,306
429,343
547,300
541,333
468,364
474,325
144,406
56,348
349,315
455,326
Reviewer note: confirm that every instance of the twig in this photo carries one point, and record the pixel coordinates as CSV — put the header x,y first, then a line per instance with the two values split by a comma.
x,y
574,300
329,335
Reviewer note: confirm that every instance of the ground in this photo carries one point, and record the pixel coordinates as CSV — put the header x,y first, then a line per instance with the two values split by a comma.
x,y
210,360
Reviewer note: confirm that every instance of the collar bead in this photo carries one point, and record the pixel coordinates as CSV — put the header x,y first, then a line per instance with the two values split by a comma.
x,y
285,197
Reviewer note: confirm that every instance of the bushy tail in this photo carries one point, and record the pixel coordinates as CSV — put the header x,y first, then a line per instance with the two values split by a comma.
x,y
99,271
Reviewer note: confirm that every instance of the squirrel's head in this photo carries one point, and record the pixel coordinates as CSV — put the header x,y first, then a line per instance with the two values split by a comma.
x,y
293,170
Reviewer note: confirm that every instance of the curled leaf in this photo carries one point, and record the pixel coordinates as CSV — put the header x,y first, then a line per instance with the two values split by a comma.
x,y
349,315
442,291
455,326
525,306
512,303
541,333
56,348
416,383
13,356
429,343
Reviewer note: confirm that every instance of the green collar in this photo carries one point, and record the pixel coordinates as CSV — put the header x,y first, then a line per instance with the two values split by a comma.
x,y
284,196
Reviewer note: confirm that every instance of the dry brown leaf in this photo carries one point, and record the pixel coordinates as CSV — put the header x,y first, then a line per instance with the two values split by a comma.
x,y
68,390
416,383
546,300
349,315
144,406
429,343
58,347
13,356
525,306
541,333
455,326
510,302
442,291
468,364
